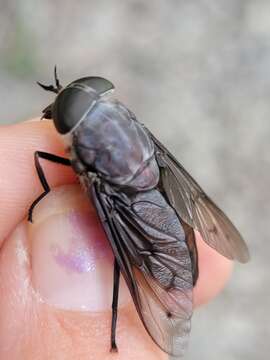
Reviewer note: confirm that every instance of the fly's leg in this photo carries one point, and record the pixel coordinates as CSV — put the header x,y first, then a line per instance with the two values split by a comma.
x,y
50,157
54,88
116,280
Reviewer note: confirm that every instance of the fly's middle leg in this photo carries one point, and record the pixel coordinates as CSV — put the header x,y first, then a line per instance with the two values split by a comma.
x,y
50,157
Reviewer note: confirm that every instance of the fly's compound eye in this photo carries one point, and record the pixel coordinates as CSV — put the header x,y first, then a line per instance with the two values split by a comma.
x,y
70,106
75,101
100,85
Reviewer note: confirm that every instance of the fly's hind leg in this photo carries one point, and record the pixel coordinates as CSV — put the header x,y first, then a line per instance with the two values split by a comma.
x,y
50,157
116,280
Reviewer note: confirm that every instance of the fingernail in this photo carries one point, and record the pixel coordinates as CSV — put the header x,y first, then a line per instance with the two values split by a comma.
x,y
72,262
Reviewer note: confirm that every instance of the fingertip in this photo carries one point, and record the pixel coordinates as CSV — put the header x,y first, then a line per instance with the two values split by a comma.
x,y
66,282
214,272
19,181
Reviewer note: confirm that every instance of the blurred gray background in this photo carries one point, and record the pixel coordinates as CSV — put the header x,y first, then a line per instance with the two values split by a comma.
x,y
198,74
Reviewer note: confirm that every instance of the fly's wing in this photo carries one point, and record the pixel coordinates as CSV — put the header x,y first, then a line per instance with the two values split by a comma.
x,y
148,243
197,209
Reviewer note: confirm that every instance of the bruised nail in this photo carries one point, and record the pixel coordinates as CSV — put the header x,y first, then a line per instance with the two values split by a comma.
x,y
72,262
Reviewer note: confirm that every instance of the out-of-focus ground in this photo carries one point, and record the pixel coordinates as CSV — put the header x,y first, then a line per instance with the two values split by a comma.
x,y
198,74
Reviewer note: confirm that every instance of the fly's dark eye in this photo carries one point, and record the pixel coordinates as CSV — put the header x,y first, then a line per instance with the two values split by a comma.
x,y
76,100
99,84
70,106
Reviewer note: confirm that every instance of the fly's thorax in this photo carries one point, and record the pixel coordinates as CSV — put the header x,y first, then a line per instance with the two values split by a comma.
x,y
113,144
146,178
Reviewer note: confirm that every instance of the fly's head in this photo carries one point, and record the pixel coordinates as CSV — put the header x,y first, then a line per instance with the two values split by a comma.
x,y
75,101
72,104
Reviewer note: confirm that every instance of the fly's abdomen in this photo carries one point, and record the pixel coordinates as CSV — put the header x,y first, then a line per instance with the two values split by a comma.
x,y
116,146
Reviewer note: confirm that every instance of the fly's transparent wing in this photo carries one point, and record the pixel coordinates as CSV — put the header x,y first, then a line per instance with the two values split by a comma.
x,y
148,243
197,209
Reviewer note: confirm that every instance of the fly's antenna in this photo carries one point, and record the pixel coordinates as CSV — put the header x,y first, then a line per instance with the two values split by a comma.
x,y
56,79
53,88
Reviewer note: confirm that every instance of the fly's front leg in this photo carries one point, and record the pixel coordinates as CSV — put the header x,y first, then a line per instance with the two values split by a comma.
x,y
50,157
116,280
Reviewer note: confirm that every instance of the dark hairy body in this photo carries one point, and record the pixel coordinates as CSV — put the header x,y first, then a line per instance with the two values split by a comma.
x,y
114,145
148,204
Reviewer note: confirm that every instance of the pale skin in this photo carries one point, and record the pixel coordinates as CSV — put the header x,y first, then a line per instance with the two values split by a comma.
x,y
30,328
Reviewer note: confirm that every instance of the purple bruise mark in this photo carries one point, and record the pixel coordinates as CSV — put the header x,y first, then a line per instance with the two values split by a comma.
x,y
82,253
